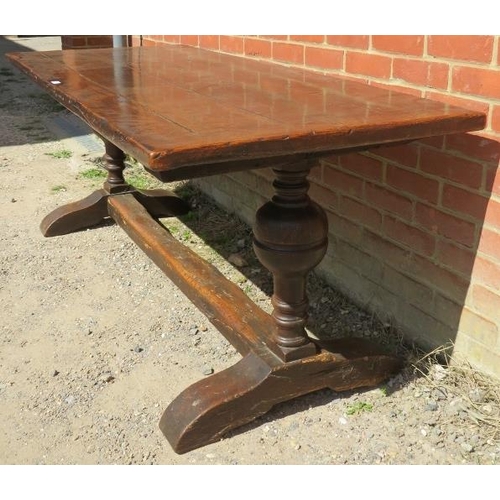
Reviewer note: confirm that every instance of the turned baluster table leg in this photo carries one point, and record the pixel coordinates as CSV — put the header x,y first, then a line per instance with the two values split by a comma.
x,y
290,239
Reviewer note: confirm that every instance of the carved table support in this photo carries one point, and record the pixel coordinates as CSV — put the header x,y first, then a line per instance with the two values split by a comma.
x,y
93,209
290,239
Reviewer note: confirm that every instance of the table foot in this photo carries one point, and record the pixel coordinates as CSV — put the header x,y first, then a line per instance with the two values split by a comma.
x,y
93,210
76,216
208,409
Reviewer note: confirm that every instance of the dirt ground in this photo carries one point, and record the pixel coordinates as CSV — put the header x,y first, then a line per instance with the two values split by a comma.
x,y
95,341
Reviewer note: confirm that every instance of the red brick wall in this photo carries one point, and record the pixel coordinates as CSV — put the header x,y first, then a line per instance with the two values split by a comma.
x,y
86,41
414,229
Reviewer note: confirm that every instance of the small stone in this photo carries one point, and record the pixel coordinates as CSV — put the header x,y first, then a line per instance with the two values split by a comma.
x,y
477,395
55,373
439,394
108,378
208,371
438,372
237,260
467,447
193,331
69,400
423,432
431,406
13,200
138,349
342,421
241,243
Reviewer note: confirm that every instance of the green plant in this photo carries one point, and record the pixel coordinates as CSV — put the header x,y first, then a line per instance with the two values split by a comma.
x,y
59,188
359,407
93,173
61,153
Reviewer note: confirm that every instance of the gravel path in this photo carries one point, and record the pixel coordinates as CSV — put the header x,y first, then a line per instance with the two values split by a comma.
x,y
95,341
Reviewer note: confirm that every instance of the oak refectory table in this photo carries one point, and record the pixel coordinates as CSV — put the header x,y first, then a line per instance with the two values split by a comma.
x,y
185,113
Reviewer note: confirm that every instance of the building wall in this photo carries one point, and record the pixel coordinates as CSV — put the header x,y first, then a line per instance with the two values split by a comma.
x,y
86,41
414,229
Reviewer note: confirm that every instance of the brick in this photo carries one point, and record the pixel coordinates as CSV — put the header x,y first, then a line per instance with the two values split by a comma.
x,y
489,243
398,88
316,173
495,119
476,81
463,102
475,147
453,256
209,41
232,44
487,273
324,58
492,180
389,201
363,165
487,302
368,64
484,359
404,44
308,38
427,332
415,239
493,213
146,42
443,224
361,213
451,168
447,311
430,74
189,40
412,291
288,52
449,283
478,48
264,187
365,264
274,37
464,202
386,250
343,228
258,48
323,196
100,41
172,38
343,182
413,183
478,328
436,142
406,155
352,41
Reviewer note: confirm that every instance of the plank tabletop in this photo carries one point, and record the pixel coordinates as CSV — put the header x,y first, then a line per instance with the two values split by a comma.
x,y
181,111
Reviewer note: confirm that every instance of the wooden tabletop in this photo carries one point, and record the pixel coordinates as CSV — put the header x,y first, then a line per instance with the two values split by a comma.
x,y
184,112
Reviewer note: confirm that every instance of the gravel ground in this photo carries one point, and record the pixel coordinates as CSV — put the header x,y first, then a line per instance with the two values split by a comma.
x,y
95,341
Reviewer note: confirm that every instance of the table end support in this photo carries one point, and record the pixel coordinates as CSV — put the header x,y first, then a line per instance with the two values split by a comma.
x,y
209,409
93,209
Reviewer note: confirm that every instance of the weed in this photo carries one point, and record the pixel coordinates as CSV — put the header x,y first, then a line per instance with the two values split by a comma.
x,y
140,180
61,154
359,407
58,189
93,173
